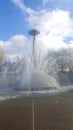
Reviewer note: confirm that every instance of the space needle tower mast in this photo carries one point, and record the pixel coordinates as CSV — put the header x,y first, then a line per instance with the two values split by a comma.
x,y
34,33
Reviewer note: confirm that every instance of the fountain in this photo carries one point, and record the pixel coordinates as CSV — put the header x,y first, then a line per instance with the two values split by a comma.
x,y
35,77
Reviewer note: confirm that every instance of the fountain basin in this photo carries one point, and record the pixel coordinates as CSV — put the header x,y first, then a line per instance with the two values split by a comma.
x,y
38,81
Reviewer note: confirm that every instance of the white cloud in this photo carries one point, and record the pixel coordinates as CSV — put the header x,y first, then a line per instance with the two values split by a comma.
x,y
46,1
55,26
57,22
57,1
16,44
23,7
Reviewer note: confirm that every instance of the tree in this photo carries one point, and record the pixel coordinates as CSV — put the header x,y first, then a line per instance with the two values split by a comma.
x,y
2,55
61,63
70,64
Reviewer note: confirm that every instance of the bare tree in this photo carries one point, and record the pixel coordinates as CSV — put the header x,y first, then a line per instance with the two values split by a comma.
x,y
70,64
2,55
61,63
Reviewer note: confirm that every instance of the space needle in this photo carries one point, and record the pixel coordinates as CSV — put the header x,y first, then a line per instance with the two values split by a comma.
x,y
34,33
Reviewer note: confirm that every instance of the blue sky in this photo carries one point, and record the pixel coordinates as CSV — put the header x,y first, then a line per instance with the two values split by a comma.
x,y
54,19
12,19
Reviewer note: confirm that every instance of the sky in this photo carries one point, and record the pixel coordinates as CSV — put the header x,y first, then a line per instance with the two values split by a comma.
x,y
53,18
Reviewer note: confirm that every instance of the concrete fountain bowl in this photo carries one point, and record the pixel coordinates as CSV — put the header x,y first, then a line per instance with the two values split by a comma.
x,y
38,81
